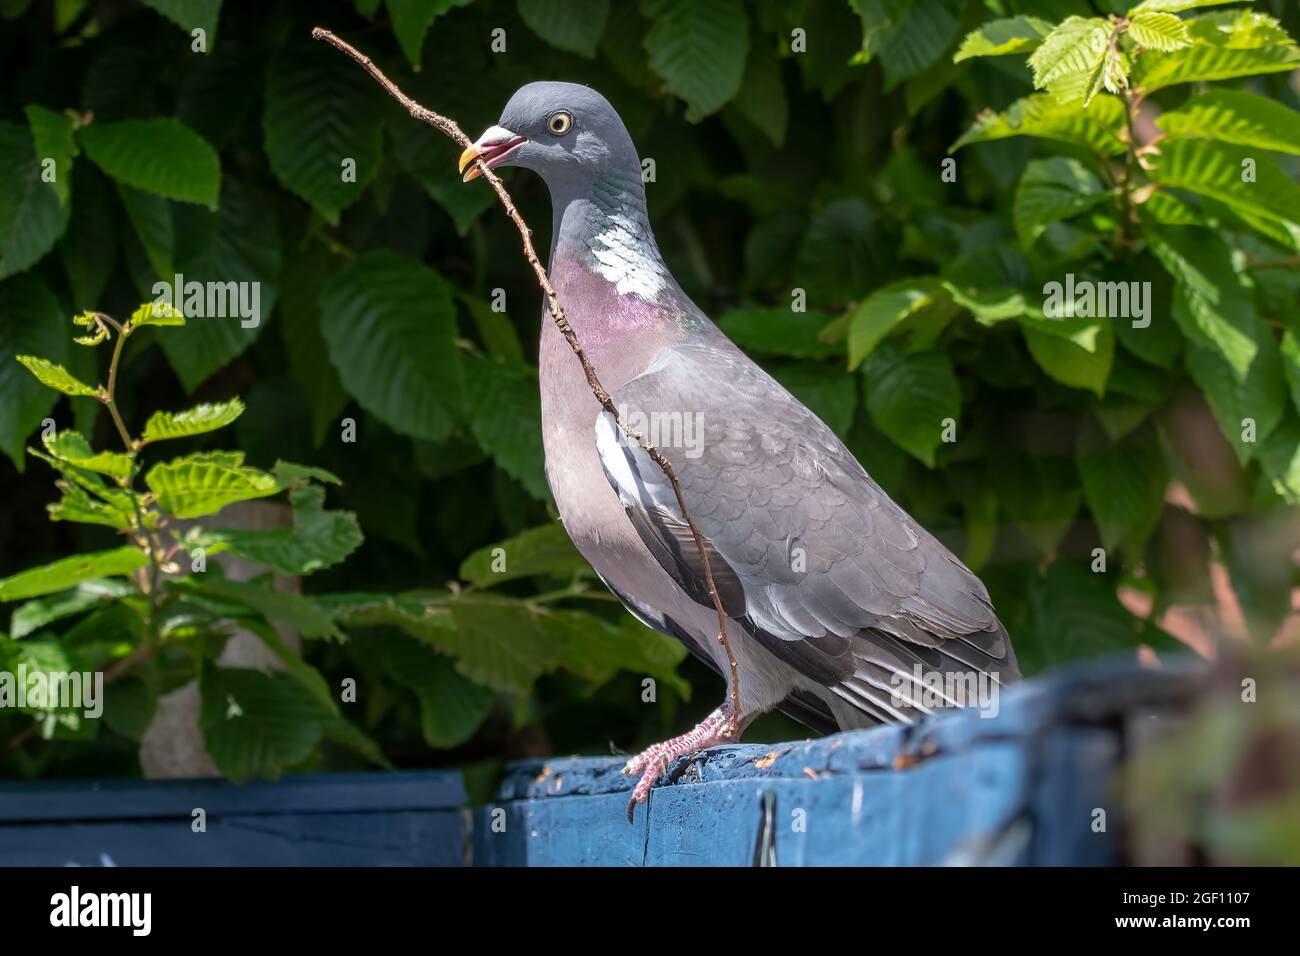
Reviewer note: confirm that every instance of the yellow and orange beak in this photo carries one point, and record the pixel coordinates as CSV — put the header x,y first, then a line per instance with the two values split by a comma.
x,y
492,148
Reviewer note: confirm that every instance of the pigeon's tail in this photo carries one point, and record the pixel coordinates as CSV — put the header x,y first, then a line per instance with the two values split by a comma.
x,y
899,680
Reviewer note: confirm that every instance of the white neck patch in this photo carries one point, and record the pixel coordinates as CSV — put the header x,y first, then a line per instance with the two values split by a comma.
x,y
619,254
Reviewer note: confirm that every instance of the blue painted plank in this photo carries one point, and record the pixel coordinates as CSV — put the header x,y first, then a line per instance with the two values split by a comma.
x,y
1090,693
297,793
910,817
401,838
1076,779
572,831
1017,787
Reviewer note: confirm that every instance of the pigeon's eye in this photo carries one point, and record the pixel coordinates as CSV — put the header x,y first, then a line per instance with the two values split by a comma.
x,y
559,123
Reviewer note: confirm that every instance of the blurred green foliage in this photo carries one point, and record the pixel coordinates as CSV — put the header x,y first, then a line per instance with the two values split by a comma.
x,y
873,198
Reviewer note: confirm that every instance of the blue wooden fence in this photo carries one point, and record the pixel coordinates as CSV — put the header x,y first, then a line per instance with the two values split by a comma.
x,y
1024,787
363,819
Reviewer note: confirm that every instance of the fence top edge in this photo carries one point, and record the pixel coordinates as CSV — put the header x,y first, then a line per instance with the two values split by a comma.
x,y
1091,694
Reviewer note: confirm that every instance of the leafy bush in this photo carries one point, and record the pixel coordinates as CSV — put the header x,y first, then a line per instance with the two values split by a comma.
x,y
873,198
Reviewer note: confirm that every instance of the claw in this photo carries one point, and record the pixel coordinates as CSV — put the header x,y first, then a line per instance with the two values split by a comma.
x,y
655,761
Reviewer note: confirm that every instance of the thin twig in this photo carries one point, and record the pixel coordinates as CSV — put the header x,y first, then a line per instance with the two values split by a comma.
x,y
452,130
1286,262
152,545
109,395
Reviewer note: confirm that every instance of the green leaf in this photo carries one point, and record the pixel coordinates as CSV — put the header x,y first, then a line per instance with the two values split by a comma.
x,y
1290,352
216,96
290,475
1051,190
319,538
1224,46
156,313
159,156
1158,31
545,550
151,217
1071,363
129,706
89,247
232,257
31,216
56,720
907,38
191,15
412,19
52,136
55,376
980,507
423,153
499,645
423,617
496,330
1259,396
203,484
301,334
594,649
1160,343
1098,127
111,506
988,306
256,724
497,642
30,321
391,328
300,613
1075,48
911,398
505,417
30,617
315,118
1000,37
451,707
1039,493
1077,615
1279,455
882,311
198,420
572,25
1175,6
1235,116
1211,306
1218,170
76,504
846,249
1166,208
1123,483
699,50
73,448
761,99
63,574
778,331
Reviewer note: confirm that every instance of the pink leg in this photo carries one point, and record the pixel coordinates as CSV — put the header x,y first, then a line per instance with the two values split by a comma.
x,y
650,763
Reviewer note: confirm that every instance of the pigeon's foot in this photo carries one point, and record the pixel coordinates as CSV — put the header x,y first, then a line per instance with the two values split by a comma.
x,y
717,728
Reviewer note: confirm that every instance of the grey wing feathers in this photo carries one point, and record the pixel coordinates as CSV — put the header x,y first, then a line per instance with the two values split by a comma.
x,y
826,570
800,704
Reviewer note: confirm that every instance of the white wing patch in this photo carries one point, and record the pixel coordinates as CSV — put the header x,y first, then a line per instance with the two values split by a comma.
x,y
612,447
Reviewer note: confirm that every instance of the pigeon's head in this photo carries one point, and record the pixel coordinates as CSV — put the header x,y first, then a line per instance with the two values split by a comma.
x,y
564,132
